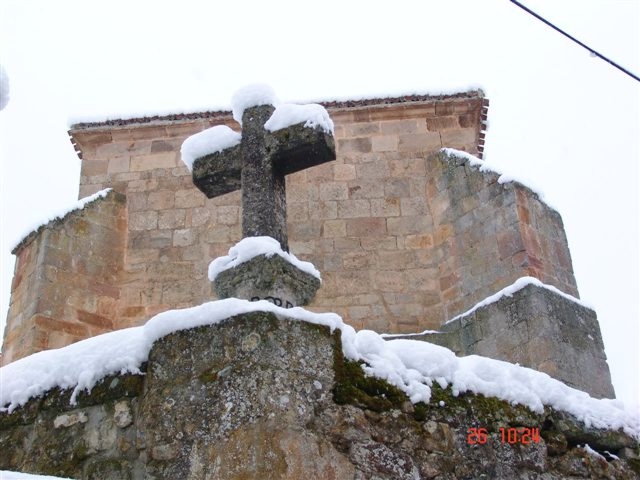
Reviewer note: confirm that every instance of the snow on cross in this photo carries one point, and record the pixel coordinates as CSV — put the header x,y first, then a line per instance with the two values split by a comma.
x,y
274,142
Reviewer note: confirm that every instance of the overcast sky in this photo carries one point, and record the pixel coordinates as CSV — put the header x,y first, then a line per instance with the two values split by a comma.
x,y
565,120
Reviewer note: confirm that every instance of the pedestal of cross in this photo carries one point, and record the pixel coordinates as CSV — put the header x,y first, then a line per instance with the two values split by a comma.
x,y
258,166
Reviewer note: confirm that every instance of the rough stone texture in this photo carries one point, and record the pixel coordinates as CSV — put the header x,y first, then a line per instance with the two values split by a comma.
x,y
65,286
261,397
262,386
261,161
488,234
96,439
268,278
539,329
260,164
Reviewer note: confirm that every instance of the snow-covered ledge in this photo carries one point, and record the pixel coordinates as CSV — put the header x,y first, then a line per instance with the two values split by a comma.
x,y
411,365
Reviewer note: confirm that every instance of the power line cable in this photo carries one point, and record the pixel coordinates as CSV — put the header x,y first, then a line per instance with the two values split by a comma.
x,y
591,50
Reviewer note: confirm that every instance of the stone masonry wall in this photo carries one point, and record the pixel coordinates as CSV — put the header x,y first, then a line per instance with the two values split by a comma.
x,y
404,239
262,397
488,234
66,284
362,220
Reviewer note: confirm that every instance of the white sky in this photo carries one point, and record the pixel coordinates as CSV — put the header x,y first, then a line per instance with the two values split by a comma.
x,y
565,120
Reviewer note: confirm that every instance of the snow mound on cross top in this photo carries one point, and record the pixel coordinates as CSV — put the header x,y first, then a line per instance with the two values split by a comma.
x,y
252,96
211,140
411,365
251,247
220,137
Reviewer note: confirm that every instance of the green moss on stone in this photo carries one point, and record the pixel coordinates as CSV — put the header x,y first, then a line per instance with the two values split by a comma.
x,y
354,387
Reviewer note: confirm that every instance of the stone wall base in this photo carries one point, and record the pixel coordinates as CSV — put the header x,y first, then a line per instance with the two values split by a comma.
x,y
258,396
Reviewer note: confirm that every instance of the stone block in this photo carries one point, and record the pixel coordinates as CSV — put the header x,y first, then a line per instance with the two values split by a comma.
x,y
442,123
373,170
151,162
228,214
267,278
354,145
198,216
184,237
363,189
409,225
384,143
569,332
160,200
366,227
118,164
90,168
463,137
333,191
344,172
297,212
385,207
419,241
420,142
354,208
379,243
145,220
323,210
171,219
389,280
334,228
361,129
413,206
404,127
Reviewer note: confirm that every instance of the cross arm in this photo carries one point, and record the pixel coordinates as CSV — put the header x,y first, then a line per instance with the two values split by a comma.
x,y
219,172
298,147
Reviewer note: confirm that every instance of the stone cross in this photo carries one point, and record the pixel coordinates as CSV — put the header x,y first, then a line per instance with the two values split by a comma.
x,y
258,166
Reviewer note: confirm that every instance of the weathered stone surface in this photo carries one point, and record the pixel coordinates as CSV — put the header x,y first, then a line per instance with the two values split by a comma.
x,y
148,280
268,278
64,286
95,439
261,397
260,378
258,167
536,328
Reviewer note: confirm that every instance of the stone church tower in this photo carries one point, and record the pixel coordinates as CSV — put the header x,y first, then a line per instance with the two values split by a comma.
x,y
405,236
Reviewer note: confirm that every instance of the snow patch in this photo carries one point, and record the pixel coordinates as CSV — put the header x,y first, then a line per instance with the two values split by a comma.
x,y
250,247
410,365
485,166
513,288
211,140
252,96
79,205
312,115
591,451
6,475
78,366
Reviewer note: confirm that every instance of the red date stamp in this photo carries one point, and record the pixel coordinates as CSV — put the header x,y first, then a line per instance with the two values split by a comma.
x,y
521,435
